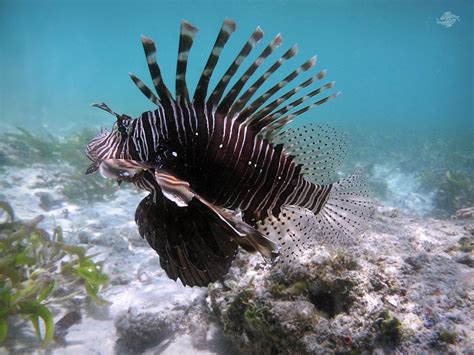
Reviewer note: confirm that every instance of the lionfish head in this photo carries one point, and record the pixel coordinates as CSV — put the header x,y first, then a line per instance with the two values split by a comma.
x,y
105,144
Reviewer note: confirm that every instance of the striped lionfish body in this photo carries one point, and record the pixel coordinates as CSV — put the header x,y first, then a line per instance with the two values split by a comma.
x,y
224,171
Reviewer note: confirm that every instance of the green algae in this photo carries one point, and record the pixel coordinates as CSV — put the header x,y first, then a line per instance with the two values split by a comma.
x,y
24,148
466,244
447,337
38,271
389,327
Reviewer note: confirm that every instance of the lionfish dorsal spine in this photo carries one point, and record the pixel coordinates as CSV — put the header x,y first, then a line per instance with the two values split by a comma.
x,y
186,38
228,27
264,119
155,72
229,99
247,95
145,89
270,118
249,113
218,91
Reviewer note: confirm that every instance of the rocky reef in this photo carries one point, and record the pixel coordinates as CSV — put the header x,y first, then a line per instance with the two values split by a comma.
x,y
406,288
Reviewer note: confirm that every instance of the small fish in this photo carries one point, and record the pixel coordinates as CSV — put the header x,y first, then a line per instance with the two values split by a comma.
x,y
223,170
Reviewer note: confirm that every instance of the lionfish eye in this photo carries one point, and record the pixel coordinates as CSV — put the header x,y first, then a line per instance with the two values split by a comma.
x,y
123,130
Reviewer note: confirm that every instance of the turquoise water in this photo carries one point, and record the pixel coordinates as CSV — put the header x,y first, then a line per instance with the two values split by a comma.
x,y
394,64
406,80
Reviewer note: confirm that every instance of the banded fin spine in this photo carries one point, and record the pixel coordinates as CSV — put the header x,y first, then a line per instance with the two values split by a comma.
x,y
228,27
278,122
228,100
186,37
266,120
245,97
165,97
248,113
218,91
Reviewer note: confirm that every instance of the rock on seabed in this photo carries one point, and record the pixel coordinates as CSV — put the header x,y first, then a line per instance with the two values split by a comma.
x,y
403,289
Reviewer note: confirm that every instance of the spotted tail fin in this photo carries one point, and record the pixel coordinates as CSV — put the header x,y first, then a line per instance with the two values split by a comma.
x,y
346,212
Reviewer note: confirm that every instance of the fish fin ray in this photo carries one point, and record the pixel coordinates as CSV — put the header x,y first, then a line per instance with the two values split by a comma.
x,y
145,90
291,230
346,212
319,148
264,110
188,246
200,94
186,37
229,99
155,72
238,105
180,193
219,89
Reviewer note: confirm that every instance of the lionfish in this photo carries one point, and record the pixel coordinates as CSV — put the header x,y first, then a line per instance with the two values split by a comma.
x,y
223,171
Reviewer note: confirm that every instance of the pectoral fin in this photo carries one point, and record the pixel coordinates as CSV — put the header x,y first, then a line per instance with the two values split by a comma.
x,y
180,192
121,169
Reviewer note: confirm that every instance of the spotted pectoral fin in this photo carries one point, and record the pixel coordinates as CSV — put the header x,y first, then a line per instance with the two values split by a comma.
x,y
180,193
121,169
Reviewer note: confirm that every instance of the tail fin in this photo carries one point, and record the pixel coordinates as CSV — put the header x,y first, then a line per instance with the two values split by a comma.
x,y
336,224
346,211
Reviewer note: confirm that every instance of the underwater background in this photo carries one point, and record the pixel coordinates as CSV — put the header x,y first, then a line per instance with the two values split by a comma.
x,y
406,76
406,80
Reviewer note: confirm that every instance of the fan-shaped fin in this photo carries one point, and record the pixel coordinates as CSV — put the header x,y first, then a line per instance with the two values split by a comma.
x,y
335,224
192,250
228,27
186,37
179,192
217,93
346,211
228,100
320,149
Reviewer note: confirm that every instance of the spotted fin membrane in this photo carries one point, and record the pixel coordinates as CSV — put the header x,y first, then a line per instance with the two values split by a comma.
x,y
336,222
